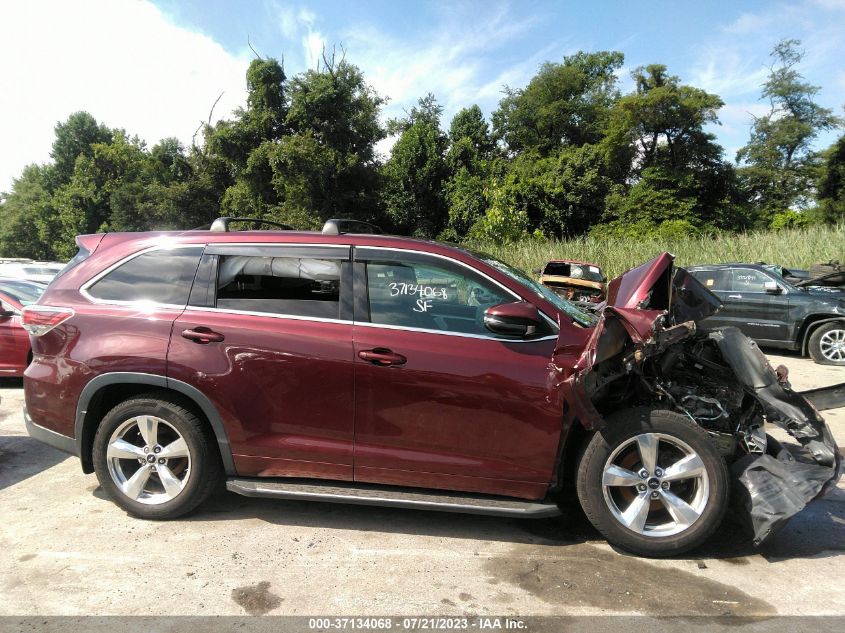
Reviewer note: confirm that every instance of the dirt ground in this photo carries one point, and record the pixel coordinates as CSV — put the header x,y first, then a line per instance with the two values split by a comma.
x,y
66,550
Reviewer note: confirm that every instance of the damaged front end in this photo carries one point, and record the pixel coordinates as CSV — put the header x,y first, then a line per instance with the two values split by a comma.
x,y
647,350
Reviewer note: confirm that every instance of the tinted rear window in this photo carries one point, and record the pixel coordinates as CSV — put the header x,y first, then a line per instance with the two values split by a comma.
x,y
163,276
294,286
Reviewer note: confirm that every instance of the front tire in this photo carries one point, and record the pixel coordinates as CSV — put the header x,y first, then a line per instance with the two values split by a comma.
x,y
827,344
154,458
653,483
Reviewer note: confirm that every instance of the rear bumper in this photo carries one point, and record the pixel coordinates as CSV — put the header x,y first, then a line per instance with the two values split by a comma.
x,y
51,438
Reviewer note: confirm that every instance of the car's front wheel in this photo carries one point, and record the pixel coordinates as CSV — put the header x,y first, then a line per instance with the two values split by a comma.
x,y
154,458
653,483
827,344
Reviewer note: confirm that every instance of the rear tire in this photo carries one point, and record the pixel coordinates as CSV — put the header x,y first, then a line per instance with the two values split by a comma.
x,y
827,344
653,483
154,458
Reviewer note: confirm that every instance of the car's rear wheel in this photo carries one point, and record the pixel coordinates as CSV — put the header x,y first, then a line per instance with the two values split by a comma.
x,y
653,483
154,458
827,344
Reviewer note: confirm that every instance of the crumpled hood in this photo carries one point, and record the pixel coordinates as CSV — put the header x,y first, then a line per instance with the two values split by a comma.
x,y
635,286
657,289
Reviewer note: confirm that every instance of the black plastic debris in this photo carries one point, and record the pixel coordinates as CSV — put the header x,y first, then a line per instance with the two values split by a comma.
x,y
776,489
826,398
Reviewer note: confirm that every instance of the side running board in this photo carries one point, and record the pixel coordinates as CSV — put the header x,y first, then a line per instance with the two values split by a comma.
x,y
373,495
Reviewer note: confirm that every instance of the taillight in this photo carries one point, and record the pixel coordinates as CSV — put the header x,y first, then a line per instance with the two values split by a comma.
x,y
38,320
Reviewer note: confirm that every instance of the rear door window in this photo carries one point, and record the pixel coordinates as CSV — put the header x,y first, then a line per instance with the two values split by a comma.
x,y
280,285
159,276
292,282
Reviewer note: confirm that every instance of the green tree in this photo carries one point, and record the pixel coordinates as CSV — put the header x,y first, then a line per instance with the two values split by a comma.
x,y
75,137
564,104
779,165
28,221
416,172
560,195
468,161
831,185
328,168
674,170
469,124
102,192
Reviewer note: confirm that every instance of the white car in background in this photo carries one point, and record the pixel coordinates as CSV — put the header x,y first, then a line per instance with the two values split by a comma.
x,y
30,270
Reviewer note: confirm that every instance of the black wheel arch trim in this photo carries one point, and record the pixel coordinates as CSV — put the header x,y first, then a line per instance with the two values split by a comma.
x,y
812,327
153,380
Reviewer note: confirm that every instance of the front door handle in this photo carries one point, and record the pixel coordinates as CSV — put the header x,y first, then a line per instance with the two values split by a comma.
x,y
382,357
202,335
734,296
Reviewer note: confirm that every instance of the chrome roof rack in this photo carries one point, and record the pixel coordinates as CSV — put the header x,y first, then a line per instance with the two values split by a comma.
x,y
338,226
334,226
221,225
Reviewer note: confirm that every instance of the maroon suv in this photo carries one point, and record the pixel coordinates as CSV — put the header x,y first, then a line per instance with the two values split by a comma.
x,y
372,369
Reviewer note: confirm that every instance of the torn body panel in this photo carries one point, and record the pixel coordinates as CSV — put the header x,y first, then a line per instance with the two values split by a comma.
x,y
826,398
647,350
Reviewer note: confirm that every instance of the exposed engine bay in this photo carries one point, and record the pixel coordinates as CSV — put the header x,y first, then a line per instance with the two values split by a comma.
x,y
647,350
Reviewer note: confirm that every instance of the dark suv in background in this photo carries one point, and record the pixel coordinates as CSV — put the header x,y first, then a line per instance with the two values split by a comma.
x,y
374,369
775,312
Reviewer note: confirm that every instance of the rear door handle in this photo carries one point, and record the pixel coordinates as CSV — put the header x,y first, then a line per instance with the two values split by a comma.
x,y
202,335
382,357
734,296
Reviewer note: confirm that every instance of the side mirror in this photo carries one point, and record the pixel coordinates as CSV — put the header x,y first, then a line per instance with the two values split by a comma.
x,y
537,271
519,318
772,288
5,311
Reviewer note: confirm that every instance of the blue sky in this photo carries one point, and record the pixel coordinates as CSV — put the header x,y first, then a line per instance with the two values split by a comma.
x,y
155,69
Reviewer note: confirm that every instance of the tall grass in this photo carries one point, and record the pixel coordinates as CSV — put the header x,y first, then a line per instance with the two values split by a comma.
x,y
798,248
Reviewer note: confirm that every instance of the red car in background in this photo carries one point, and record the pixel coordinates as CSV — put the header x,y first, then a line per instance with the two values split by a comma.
x,y
15,351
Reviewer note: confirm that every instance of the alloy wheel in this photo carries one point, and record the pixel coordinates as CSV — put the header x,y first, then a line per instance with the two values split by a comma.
x,y
832,345
148,460
655,485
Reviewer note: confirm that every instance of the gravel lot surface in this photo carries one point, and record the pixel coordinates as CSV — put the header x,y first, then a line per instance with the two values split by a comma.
x,y
66,550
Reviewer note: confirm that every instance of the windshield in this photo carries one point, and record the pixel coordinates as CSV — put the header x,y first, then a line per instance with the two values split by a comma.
x,y
23,293
779,272
577,315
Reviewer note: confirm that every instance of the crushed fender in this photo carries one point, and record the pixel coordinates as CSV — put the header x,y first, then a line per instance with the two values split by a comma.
x,y
646,349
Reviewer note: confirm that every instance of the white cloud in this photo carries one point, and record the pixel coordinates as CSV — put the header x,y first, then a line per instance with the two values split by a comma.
x,y
297,24
313,45
830,5
735,63
725,71
454,58
306,16
288,21
121,60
